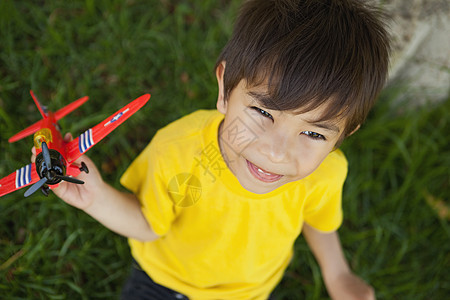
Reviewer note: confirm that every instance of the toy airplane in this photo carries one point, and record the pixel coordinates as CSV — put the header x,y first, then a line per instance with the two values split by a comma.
x,y
54,157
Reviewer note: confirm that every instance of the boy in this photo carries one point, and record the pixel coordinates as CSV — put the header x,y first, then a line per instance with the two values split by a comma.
x,y
219,197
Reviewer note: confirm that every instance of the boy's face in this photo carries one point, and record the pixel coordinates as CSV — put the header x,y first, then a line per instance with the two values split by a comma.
x,y
266,149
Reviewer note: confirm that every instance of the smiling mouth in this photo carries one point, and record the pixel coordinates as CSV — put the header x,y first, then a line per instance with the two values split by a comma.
x,y
261,174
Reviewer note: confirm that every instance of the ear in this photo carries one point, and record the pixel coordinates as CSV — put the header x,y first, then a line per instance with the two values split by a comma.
x,y
354,130
221,103
342,137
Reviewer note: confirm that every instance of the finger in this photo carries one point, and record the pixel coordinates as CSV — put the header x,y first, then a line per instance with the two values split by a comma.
x,y
33,154
68,137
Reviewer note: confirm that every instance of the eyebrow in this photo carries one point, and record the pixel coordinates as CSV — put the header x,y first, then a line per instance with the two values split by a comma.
x,y
263,99
324,125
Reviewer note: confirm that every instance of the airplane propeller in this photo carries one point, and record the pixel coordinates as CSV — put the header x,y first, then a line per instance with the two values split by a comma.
x,y
46,154
50,174
35,187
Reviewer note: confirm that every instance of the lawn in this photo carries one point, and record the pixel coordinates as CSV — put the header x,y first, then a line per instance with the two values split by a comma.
x,y
396,231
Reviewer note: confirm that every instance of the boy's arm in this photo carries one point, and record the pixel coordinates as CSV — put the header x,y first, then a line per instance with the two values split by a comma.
x,y
116,210
341,283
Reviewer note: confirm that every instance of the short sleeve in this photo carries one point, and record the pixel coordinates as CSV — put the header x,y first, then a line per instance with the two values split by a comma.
x,y
145,179
323,207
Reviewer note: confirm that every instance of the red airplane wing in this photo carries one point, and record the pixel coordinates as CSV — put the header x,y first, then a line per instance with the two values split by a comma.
x,y
19,179
70,107
95,134
26,132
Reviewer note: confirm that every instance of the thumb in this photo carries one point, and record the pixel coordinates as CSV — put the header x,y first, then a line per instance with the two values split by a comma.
x,y
68,137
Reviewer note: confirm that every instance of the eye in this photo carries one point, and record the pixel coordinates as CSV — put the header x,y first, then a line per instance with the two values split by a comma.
x,y
314,135
262,112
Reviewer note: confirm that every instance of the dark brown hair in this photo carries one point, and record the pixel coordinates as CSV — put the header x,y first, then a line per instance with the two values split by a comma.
x,y
309,53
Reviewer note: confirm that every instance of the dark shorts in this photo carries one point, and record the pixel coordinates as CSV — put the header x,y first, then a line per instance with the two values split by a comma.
x,y
140,286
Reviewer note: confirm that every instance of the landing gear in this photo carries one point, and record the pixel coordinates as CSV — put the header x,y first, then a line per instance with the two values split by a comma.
x,y
45,190
84,168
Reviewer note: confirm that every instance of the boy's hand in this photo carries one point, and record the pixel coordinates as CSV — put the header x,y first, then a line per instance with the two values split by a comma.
x,y
341,283
78,195
348,286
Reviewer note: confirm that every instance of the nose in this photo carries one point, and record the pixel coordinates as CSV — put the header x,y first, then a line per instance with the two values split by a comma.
x,y
275,146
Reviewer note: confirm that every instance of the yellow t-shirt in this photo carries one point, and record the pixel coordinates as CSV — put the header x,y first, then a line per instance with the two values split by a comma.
x,y
218,240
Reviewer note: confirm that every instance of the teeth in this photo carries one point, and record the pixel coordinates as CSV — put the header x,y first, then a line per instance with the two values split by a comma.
x,y
263,172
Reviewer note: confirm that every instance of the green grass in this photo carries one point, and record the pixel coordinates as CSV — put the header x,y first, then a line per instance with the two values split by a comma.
x,y
396,234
